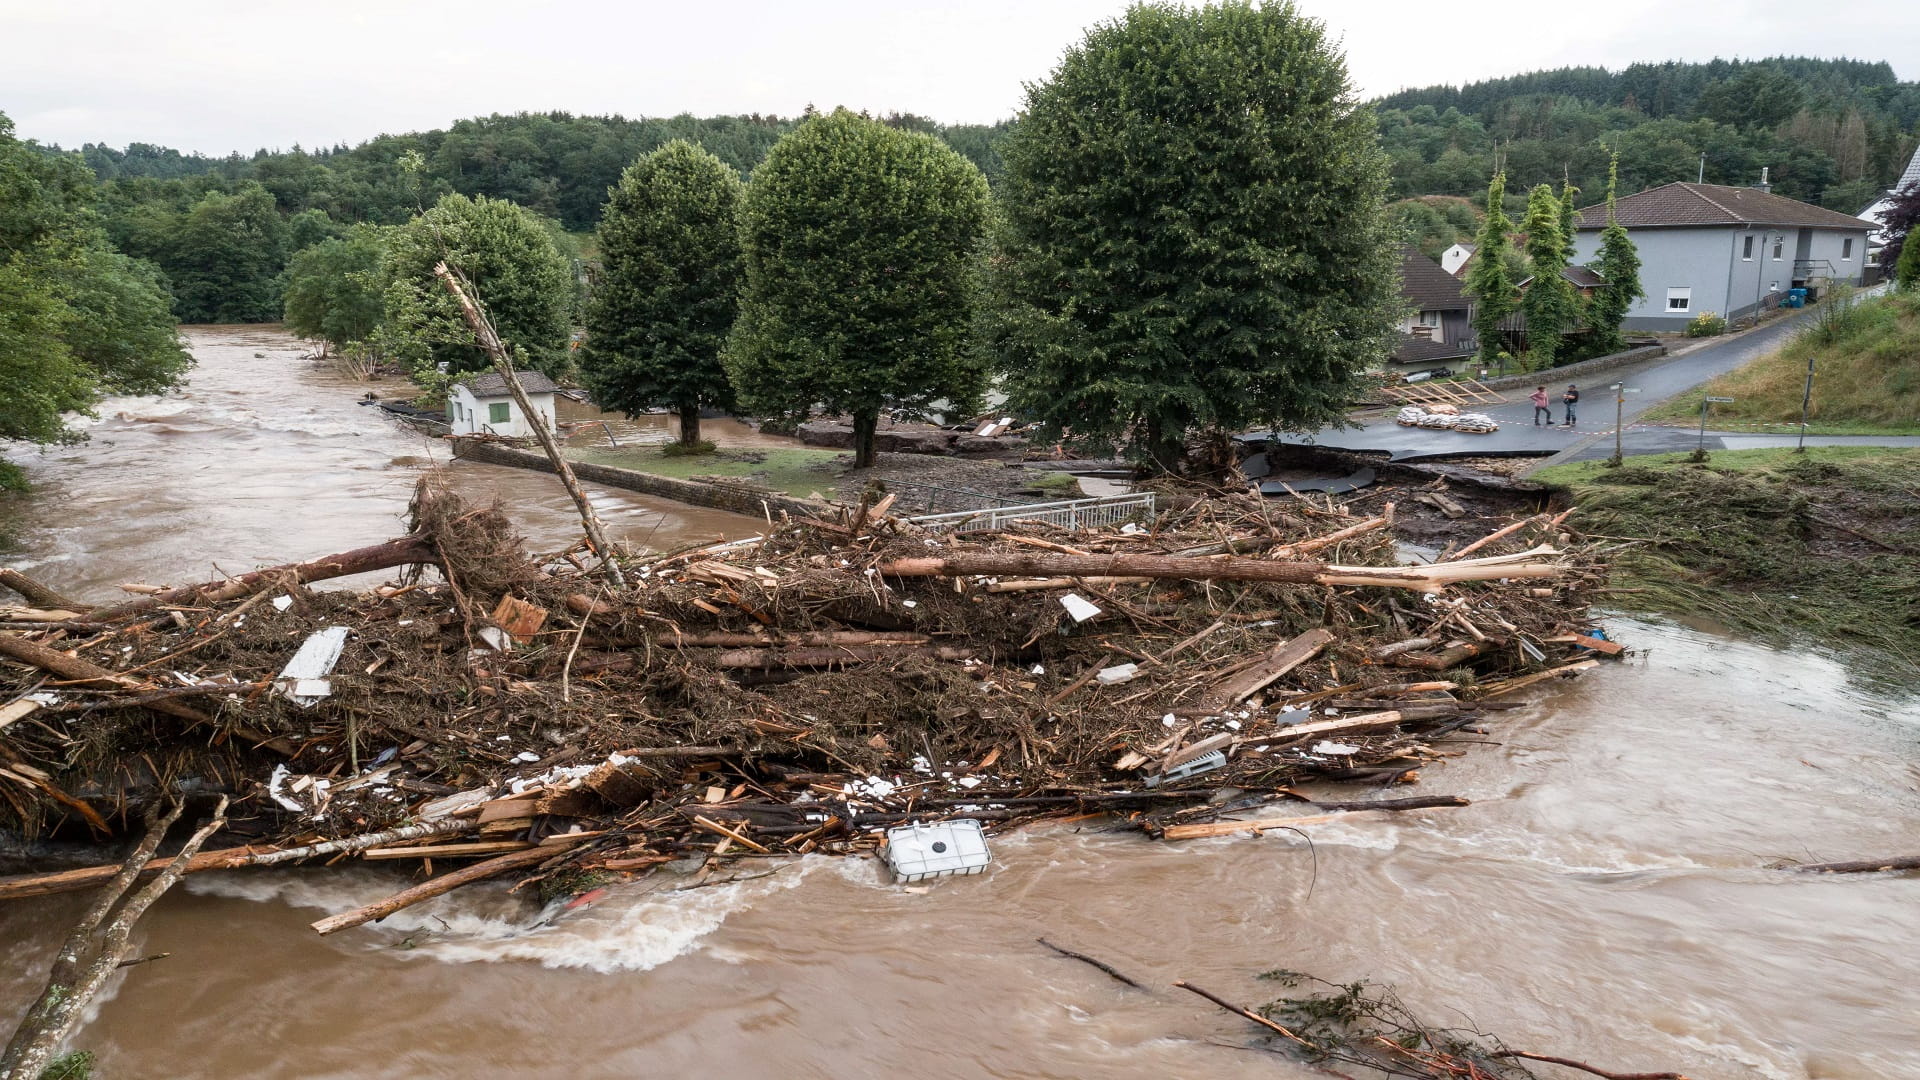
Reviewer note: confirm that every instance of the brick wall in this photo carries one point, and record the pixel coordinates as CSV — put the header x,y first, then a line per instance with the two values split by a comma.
x,y
740,500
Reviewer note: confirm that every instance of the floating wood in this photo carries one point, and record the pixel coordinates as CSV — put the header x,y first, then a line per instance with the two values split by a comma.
x,y
1428,578
437,886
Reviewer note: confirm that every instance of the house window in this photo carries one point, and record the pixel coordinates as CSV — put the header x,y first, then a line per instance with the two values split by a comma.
x,y
1679,300
1779,242
497,413
1846,248
1746,250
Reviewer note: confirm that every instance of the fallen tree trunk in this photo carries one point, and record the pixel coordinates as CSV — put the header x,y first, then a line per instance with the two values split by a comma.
x,y
433,887
1865,866
39,595
1428,578
89,877
401,551
92,954
72,667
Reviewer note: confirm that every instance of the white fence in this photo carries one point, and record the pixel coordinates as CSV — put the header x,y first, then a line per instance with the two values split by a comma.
x,y
1072,514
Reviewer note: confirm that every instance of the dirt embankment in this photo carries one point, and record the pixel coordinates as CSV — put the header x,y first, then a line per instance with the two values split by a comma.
x,y
1823,546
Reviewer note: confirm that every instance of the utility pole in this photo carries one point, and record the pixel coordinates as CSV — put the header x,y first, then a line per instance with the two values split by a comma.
x,y
1703,168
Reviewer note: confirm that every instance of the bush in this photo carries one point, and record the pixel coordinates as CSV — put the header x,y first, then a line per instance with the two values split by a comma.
x,y
677,449
1707,324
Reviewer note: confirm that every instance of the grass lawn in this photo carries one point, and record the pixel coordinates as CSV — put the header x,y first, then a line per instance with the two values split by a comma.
x,y
1821,547
1866,378
797,471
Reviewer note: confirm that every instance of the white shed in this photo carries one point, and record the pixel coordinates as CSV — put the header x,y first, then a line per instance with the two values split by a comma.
x,y
481,405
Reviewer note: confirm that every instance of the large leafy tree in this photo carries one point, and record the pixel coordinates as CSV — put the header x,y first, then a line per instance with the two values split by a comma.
x,y
668,289
1549,302
77,320
859,243
334,289
1619,263
225,258
1489,280
1194,233
510,258
1906,272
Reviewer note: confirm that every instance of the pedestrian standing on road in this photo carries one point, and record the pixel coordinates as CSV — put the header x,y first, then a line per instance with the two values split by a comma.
x,y
1539,399
1569,399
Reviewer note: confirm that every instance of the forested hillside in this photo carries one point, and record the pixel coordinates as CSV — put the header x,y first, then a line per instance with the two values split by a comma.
x,y
1833,132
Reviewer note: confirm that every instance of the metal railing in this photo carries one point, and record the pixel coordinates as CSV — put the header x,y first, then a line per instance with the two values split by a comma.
x,y
1072,514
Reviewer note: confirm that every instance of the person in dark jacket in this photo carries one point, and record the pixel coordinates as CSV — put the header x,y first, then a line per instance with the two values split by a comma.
x,y
1569,399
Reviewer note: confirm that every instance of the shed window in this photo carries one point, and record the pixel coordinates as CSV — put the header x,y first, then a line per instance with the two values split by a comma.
x,y
1680,299
1746,249
1779,244
1846,248
497,413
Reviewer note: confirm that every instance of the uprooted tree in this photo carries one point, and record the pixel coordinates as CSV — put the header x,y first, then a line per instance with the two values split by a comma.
x,y
1194,233
668,289
860,242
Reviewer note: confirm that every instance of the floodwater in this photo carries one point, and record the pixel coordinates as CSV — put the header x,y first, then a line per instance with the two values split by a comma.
x,y
1607,897
264,459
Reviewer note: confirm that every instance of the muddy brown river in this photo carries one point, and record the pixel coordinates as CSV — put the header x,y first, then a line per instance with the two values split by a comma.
x,y
1606,897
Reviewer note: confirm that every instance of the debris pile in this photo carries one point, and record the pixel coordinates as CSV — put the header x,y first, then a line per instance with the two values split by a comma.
x,y
805,691
1445,417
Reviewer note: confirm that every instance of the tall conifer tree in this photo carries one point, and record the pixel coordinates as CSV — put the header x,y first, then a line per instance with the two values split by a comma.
x,y
1488,281
1619,263
1549,302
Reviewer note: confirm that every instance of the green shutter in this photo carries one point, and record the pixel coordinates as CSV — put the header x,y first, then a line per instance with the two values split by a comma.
x,y
497,413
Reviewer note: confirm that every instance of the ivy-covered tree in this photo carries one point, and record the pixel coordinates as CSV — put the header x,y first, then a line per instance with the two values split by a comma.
x,y
1489,280
859,244
334,289
1619,263
1549,301
1194,236
508,255
668,289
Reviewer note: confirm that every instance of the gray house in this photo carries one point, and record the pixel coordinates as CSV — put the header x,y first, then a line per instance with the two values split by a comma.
x,y
1728,250
1439,320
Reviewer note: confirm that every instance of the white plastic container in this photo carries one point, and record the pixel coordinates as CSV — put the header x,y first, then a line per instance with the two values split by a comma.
x,y
941,849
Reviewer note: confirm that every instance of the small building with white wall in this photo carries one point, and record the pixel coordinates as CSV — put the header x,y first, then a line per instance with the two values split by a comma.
x,y
481,405
1454,259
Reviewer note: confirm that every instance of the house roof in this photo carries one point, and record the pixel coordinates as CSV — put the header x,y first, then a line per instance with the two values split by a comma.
x,y
1582,277
493,384
1426,286
1682,204
1413,350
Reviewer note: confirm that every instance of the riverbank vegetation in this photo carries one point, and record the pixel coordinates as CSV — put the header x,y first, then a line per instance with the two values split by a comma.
x,y
78,320
1866,358
1822,546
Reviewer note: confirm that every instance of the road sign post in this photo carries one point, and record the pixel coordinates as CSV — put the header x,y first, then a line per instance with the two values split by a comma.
x,y
1620,392
1700,450
1806,402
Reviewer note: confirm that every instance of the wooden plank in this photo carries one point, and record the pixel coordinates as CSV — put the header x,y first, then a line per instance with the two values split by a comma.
x,y
447,851
1284,658
1340,724
1599,645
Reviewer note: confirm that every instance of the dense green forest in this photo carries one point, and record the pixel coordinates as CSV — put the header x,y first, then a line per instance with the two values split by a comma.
x,y
1833,132
221,231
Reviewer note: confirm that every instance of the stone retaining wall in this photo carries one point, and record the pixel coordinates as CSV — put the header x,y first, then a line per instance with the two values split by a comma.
x,y
739,500
1575,372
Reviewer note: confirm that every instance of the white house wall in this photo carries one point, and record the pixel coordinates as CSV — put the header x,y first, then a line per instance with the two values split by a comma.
x,y
472,418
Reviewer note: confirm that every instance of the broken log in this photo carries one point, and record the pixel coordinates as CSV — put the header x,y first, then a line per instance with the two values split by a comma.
x,y
40,596
433,887
1448,658
72,667
1428,578
1283,658
89,877
1867,866
1341,724
1205,829
401,551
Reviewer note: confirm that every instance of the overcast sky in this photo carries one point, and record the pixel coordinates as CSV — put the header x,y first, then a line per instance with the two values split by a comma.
x,y
223,75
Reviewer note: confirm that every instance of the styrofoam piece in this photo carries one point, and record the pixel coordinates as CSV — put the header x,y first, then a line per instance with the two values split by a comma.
x,y
304,679
1079,607
1205,763
1118,673
939,849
